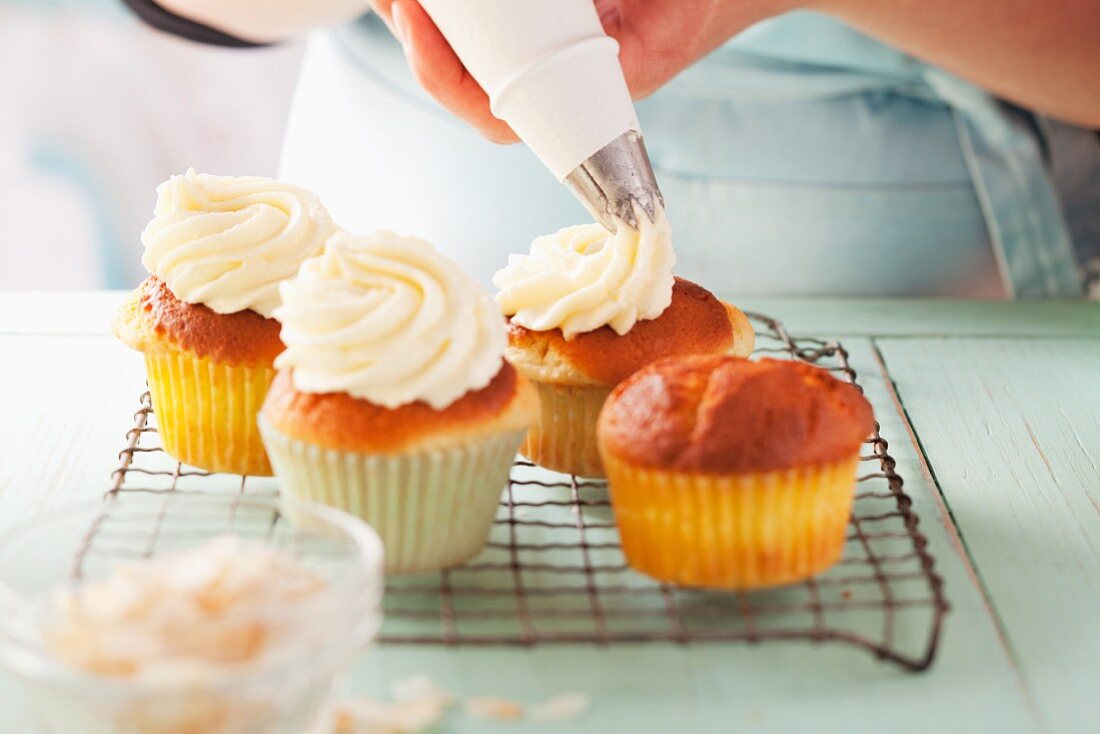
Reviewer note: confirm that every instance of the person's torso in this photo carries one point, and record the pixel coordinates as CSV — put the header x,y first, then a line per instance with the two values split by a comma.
x,y
799,158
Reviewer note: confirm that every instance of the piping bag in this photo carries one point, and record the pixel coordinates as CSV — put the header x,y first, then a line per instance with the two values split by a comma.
x,y
554,76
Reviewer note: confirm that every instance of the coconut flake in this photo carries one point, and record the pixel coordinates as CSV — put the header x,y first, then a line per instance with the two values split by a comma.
x,y
420,688
494,707
371,716
562,707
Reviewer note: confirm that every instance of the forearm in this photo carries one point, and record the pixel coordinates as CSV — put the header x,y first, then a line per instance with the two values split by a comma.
x,y
1041,54
263,20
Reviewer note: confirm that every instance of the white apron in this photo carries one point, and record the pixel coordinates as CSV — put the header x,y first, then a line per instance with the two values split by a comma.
x,y
840,167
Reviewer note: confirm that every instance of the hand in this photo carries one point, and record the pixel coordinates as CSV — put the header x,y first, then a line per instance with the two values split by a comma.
x,y
657,40
660,38
438,68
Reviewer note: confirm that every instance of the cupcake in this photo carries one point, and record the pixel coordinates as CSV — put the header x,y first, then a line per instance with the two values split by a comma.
x,y
732,474
393,400
217,248
586,309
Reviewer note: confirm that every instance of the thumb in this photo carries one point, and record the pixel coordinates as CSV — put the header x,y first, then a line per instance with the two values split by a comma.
x,y
441,73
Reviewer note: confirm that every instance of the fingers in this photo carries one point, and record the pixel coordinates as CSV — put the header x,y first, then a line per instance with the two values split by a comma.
x,y
627,21
440,71
660,38
632,23
382,10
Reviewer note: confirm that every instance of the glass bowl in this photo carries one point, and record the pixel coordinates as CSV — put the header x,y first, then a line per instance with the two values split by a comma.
x,y
285,693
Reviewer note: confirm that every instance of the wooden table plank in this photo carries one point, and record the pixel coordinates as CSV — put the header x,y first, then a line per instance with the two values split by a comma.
x,y
67,402
766,688
922,317
90,312
1012,432
58,312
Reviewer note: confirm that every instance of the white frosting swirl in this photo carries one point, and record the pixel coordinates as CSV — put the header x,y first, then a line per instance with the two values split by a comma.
x,y
388,319
227,242
584,277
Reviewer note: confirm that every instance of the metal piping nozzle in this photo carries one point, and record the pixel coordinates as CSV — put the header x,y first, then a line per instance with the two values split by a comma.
x,y
613,178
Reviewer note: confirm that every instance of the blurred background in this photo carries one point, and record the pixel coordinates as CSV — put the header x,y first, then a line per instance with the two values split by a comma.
x,y
83,145
97,108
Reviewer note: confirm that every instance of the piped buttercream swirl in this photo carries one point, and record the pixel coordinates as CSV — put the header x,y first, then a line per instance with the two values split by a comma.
x,y
388,319
585,277
227,242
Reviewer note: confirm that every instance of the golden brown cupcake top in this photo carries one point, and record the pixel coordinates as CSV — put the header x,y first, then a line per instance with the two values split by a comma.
x,y
153,317
719,414
694,323
345,423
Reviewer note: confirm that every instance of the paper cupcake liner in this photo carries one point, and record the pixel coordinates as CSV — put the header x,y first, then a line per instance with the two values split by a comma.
x,y
564,438
433,509
206,410
740,531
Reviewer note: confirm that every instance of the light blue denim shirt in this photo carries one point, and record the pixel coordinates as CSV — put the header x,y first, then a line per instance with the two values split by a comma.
x,y
799,158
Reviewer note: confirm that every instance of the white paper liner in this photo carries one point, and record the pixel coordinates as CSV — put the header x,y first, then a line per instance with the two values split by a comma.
x,y
433,509
564,438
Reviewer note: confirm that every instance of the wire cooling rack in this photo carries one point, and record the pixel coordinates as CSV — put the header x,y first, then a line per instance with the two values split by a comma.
x,y
553,571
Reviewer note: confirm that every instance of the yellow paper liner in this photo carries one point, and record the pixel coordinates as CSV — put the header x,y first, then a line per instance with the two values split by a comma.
x,y
433,509
206,410
737,531
564,438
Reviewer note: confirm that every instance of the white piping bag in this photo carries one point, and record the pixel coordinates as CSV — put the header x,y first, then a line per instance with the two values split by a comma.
x,y
554,76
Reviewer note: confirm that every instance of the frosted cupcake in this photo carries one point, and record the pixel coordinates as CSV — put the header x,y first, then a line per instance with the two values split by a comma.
x,y
586,309
393,400
217,248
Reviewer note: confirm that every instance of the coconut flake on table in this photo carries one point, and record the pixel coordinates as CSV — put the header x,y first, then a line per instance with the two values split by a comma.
x,y
494,707
421,688
419,703
371,716
561,707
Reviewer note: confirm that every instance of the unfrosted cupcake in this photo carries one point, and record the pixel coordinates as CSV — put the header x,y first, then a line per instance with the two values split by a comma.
x,y
732,474
217,248
393,400
586,309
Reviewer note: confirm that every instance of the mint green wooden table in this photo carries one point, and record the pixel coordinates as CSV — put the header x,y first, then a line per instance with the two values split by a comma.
x,y
992,411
